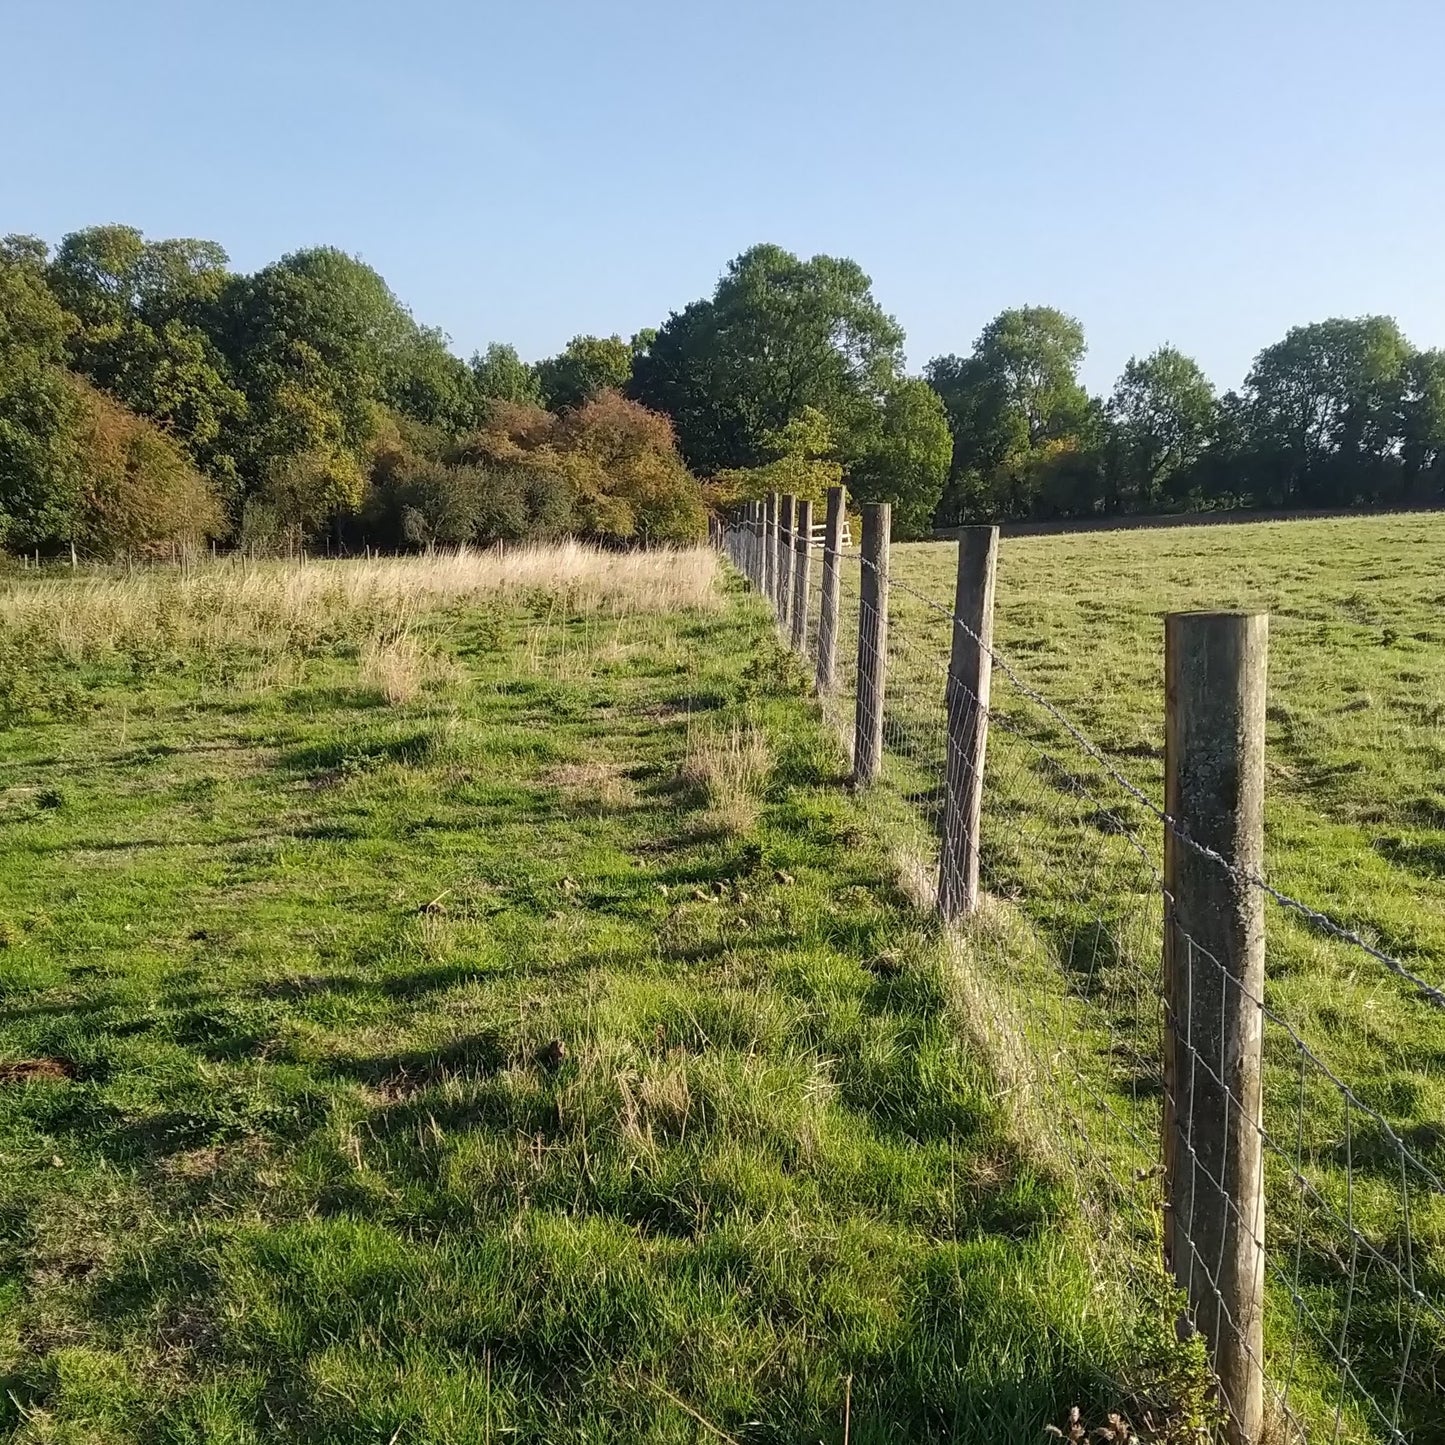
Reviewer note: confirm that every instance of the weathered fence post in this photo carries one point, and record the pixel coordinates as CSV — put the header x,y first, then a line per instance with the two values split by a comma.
x,y
770,547
785,560
827,673
1214,666
802,575
966,696
872,643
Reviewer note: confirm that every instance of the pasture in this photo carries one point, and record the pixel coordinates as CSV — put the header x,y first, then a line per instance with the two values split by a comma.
x,y
454,999
458,998
1067,952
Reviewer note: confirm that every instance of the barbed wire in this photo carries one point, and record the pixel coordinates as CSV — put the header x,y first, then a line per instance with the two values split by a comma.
x,y
1337,1266
1433,994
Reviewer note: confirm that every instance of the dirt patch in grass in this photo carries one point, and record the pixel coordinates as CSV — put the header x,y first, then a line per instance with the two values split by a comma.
x,y
30,1071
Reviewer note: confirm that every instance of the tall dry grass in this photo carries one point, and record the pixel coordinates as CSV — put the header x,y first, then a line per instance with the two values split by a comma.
x,y
731,768
400,667
278,607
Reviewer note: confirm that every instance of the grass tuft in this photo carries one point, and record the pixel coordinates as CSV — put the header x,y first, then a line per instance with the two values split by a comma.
x,y
401,667
729,769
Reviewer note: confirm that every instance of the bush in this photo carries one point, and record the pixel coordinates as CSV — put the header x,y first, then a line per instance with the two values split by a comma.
x,y
139,493
631,481
609,470
511,432
418,502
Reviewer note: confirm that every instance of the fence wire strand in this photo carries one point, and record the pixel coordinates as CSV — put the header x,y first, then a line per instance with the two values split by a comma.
x,y
1059,969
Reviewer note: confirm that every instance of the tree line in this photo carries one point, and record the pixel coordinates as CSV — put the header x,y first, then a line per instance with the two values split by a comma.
x,y
1339,414
150,396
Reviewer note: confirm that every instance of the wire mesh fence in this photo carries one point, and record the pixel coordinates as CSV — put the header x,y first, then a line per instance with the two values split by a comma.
x,y
1292,1192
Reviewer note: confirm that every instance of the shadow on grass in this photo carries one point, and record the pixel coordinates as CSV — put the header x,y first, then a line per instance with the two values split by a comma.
x,y
409,749
412,1071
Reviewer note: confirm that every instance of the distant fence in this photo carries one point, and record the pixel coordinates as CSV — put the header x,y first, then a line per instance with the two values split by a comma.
x,y
1230,517
1114,946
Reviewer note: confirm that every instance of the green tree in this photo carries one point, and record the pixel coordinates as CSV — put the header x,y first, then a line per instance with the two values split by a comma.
x,y
1160,419
779,334
1324,408
1422,426
588,365
428,382
803,464
906,458
319,342
499,374
144,311
40,414
1017,391
108,275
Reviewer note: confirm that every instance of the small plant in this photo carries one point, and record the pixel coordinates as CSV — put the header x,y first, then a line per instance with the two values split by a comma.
x,y
730,769
400,668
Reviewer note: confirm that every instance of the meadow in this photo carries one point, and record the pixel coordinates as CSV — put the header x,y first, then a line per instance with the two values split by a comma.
x,y
1065,954
455,999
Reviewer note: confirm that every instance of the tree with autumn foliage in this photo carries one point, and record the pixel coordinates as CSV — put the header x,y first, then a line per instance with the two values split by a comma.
x,y
630,481
607,469
140,494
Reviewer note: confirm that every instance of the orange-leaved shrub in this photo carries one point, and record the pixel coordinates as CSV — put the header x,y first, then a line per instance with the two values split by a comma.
x,y
617,460
139,493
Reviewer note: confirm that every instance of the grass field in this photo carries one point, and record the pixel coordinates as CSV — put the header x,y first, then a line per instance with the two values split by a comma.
x,y
1355,827
455,1001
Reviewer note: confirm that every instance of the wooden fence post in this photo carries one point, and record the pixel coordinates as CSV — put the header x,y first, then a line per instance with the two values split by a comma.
x,y
802,575
872,643
770,547
966,697
784,565
827,674
1215,665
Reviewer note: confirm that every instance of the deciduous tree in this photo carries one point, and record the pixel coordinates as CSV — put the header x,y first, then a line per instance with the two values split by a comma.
x,y
1323,412
779,334
906,457
499,374
139,492
39,412
144,314
1161,416
1018,390
588,365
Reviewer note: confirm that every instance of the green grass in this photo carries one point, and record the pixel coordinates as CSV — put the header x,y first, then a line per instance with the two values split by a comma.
x,y
549,1057
1355,827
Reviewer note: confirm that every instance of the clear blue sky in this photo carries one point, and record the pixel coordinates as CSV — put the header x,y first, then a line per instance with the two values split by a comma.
x,y
1207,173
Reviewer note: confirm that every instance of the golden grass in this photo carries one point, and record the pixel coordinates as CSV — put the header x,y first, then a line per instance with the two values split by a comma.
x,y
282,606
598,785
400,667
731,768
